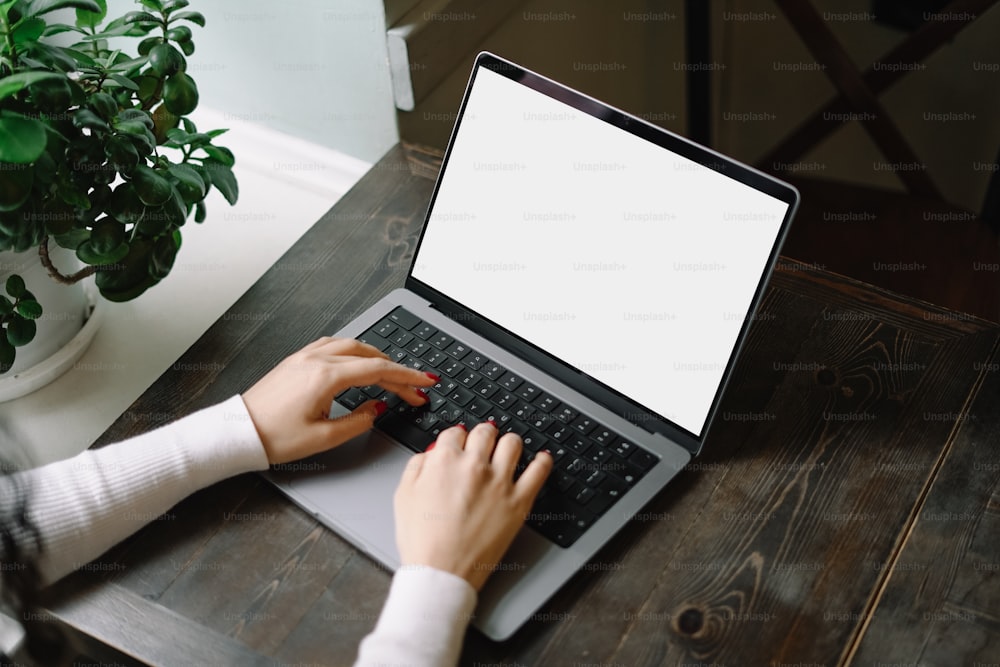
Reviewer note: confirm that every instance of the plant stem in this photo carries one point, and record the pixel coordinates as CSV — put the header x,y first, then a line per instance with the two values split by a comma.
x,y
59,277
10,40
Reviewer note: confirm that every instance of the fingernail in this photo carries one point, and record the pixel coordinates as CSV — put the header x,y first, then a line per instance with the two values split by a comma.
x,y
493,424
436,378
380,408
423,394
547,452
462,426
431,446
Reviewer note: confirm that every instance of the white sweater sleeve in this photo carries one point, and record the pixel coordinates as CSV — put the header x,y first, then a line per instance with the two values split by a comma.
x,y
423,621
84,505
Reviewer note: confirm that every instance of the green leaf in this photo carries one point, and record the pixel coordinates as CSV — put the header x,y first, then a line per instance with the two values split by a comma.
x,y
38,7
146,45
172,5
193,17
15,286
155,5
29,309
152,188
123,81
87,118
181,33
191,185
20,331
52,95
24,139
6,306
15,185
89,17
187,47
220,154
140,17
162,259
223,180
72,239
15,82
28,30
200,212
180,94
105,105
122,153
166,60
106,236
89,255
59,28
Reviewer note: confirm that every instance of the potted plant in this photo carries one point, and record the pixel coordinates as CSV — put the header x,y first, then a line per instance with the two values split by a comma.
x,y
99,164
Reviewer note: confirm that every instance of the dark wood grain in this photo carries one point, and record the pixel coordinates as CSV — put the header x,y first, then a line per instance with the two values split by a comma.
x,y
941,603
770,548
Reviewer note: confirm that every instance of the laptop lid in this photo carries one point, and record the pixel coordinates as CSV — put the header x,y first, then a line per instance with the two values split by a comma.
x,y
618,257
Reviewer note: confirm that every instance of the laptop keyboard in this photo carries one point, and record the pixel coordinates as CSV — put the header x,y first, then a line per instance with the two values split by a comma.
x,y
594,466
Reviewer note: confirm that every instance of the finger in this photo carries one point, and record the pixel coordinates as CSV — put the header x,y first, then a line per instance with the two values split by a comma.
x,y
451,439
506,454
340,347
530,482
356,422
412,470
361,372
411,395
481,441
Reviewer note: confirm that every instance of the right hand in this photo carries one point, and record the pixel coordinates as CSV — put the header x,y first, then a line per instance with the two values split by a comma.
x,y
457,506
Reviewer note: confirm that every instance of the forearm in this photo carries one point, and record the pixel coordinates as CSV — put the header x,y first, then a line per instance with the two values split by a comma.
x,y
423,622
84,505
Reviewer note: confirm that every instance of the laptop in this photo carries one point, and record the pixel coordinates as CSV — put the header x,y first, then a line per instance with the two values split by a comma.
x,y
586,280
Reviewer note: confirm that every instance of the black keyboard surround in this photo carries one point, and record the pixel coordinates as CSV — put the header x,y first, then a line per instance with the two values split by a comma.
x,y
594,466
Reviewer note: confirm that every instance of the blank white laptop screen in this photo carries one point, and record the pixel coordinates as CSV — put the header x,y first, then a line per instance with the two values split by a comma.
x,y
623,259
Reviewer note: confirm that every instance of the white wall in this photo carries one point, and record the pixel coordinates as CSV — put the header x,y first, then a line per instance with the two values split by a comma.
x,y
316,69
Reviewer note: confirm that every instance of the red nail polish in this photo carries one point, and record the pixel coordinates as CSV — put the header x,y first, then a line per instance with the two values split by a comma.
x,y
423,394
436,378
462,426
493,424
380,408
431,446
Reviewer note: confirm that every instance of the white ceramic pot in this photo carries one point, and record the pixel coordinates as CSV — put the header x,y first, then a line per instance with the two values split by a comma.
x,y
67,325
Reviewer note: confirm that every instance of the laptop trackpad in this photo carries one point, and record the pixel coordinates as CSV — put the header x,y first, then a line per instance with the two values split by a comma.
x,y
350,489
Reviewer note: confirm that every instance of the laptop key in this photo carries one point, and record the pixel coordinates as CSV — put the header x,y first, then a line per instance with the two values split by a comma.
x,y
396,354
515,426
457,349
467,378
504,399
534,441
384,328
510,381
436,400
499,418
451,368
375,341
528,391
474,360
492,370
407,433
643,459
546,403
486,389
565,414
461,396
479,407
404,318
434,357
417,347
603,436
352,398
584,424
400,337
440,340
424,331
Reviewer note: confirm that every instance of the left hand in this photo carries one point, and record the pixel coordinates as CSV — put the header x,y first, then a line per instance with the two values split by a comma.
x,y
289,405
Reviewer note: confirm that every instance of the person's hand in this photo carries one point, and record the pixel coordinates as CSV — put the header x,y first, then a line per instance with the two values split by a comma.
x,y
457,506
289,405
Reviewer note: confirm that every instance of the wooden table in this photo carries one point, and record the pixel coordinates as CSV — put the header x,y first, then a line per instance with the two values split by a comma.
x,y
846,509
